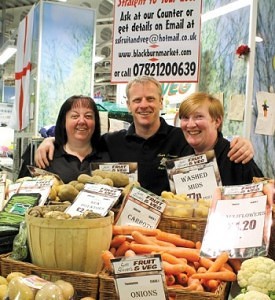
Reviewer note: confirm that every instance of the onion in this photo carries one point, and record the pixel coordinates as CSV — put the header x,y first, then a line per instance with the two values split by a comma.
x,y
67,288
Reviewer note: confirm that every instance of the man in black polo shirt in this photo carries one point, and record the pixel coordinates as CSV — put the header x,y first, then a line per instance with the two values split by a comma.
x,y
149,140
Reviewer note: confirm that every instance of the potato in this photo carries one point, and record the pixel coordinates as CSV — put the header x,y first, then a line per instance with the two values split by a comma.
x,y
167,195
128,187
74,182
67,192
84,178
107,181
96,179
3,280
119,179
15,274
201,211
66,287
17,288
52,194
3,291
50,291
79,186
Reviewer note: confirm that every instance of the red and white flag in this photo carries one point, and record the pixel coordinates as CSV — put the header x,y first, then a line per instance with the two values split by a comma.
x,y
21,108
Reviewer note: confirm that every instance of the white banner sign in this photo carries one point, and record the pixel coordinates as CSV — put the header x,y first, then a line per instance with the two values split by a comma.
x,y
158,38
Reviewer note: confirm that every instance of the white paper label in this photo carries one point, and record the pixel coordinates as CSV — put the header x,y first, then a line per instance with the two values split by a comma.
x,y
201,182
98,198
139,277
137,215
236,223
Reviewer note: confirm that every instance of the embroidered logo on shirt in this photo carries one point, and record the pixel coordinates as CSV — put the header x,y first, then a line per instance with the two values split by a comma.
x,y
163,160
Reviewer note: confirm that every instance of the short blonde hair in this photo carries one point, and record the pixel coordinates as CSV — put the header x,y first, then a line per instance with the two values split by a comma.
x,y
142,80
195,100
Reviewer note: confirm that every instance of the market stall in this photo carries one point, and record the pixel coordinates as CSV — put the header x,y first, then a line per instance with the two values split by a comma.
x,y
92,236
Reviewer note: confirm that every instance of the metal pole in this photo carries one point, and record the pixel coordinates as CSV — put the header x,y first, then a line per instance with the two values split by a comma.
x,y
250,69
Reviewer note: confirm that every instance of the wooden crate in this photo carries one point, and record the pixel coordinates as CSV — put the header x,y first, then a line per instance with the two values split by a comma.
x,y
85,284
107,291
188,228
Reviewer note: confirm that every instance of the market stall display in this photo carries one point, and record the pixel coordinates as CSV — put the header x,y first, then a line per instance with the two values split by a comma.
x,y
177,238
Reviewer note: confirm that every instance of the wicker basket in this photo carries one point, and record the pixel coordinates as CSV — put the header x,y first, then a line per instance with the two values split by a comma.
x,y
85,284
107,291
188,228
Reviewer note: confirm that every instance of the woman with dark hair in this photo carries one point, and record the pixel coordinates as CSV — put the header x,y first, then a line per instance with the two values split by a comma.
x,y
77,135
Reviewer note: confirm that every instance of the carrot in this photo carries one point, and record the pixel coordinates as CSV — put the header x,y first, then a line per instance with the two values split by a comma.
x,y
219,275
182,278
161,243
106,256
192,285
117,240
176,240
172,268
127,229
211,284
189,254
140,238
235,264
170,279
176,286
227,267
170,258
113,250
201,270
195,265
205,262
122,248
182,259
198,245
175,260
219,262
129,253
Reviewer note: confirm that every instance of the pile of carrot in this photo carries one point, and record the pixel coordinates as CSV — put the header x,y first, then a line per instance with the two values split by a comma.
x,y
183,266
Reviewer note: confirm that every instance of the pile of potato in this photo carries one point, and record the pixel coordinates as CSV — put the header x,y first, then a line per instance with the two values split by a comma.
x,y
179,205
68,192
15,287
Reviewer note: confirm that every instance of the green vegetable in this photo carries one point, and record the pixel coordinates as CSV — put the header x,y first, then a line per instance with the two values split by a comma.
x,y
20,248
14,211
257,274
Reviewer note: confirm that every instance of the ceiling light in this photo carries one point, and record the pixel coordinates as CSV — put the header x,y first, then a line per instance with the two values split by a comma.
x,y
6,52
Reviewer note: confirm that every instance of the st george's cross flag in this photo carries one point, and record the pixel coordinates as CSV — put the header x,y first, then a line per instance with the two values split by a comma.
x,y
21,108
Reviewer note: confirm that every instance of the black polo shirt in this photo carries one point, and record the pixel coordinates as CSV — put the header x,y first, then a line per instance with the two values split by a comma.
x,y
68,167
150,154
231,173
